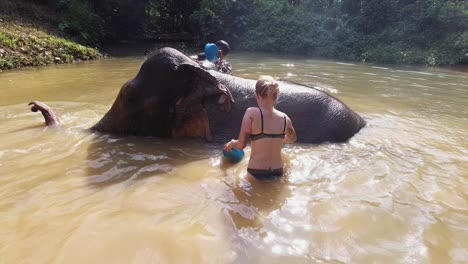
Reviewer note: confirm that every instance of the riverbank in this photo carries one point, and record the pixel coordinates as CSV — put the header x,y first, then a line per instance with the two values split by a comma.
x,y
28,38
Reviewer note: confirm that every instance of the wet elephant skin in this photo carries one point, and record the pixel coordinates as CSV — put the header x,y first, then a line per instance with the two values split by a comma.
x,y
172,96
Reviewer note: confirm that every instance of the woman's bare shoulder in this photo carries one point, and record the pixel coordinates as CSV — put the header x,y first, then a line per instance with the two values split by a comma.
x,y
251,110
279,113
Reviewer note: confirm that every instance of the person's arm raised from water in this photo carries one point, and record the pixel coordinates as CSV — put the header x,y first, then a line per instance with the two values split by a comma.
x,y
290,132
244,133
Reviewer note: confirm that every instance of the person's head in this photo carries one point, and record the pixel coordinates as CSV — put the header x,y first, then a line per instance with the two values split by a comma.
x,y
267,88
223,47
211,52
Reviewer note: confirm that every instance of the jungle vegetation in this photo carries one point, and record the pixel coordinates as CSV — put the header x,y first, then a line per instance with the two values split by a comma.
x,y
430,32
30,36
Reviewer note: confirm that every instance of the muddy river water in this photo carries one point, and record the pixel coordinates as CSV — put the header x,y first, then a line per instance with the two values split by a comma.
x,y
397,192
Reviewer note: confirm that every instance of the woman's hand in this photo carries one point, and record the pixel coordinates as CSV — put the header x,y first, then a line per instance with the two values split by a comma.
x,y
241,143
290,132
228,146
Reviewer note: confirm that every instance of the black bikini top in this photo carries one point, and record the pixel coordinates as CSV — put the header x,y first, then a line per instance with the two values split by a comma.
x,y
267,135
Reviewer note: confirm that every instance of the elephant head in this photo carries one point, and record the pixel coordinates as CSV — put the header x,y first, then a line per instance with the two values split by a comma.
x,y
167,98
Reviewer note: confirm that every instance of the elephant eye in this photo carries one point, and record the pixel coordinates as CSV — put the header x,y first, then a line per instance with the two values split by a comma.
x,y
128,93
131,98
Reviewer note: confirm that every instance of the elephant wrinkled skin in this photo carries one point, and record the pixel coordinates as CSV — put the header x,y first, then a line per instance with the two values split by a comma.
x,y
172,96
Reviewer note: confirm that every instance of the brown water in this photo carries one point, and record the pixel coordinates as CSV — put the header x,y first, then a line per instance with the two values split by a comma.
x,y
397,192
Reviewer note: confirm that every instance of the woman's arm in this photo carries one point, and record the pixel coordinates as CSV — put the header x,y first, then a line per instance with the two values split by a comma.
x,y
290,132
244,133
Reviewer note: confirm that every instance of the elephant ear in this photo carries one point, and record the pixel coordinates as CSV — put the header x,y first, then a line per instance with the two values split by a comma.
x,y
203,85
191,117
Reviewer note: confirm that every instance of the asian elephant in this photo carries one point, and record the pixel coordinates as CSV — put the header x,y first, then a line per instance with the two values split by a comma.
x,y
172,96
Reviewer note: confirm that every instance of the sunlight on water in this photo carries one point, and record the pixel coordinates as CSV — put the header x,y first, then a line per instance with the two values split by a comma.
x,y
397,192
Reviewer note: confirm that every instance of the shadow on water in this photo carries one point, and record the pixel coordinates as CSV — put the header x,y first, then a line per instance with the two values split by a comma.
x,y
34,126
253,200
248,202
113,160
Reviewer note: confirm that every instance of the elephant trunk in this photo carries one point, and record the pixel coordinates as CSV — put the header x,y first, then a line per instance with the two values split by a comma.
x,y
113,122
49,116
103,125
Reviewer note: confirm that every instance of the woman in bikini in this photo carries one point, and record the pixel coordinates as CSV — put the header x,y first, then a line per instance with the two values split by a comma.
x,y
267,128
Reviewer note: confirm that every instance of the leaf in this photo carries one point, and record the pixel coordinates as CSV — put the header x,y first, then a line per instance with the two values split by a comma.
x,y
62,26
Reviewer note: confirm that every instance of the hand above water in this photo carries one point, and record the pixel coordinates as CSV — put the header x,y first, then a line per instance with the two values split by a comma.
x,y
228,146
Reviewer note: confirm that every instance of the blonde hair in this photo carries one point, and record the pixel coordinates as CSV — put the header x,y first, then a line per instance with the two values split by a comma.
x,y
266,86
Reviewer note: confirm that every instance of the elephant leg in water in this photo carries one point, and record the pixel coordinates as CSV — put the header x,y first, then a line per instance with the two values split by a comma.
x,y
49,116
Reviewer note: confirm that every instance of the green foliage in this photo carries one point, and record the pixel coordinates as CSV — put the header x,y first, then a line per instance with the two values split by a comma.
x,y
280,27
80,23
170,16
76,19
419,32
26,46
222,19
7,40
389,31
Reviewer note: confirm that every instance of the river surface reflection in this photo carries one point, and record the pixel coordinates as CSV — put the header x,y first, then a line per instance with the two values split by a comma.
x,y
397,192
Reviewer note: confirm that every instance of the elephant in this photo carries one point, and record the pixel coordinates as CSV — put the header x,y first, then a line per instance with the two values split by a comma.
x,y
173,97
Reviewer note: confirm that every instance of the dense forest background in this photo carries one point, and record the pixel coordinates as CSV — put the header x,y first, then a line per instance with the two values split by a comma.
x,y
427,32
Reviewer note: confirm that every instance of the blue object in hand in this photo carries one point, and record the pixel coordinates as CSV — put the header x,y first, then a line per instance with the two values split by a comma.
x,y
235,155
211,52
